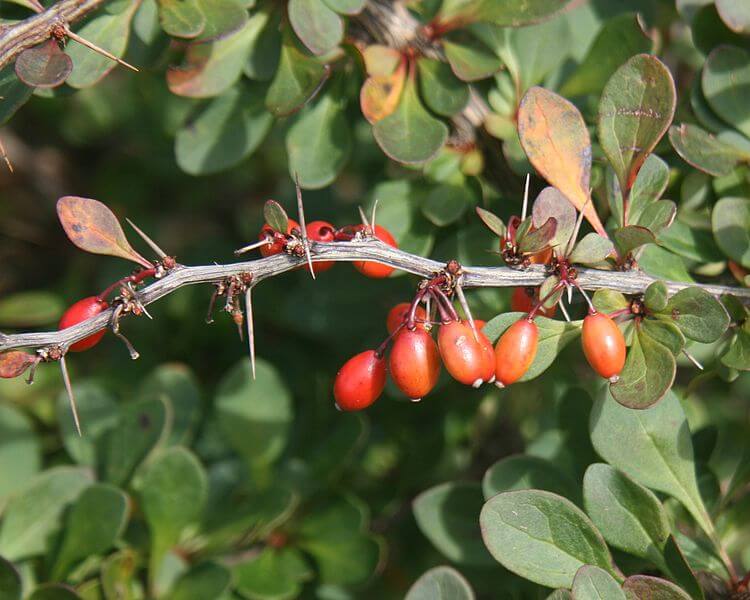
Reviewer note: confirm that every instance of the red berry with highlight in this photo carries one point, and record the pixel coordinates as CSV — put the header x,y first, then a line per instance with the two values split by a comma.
x,y
603,345
80,311
469,360
360,381
321,231
414,363
399,313
515,351
373,269
276,246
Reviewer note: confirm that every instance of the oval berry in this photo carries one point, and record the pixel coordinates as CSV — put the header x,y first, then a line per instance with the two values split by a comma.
x,y
360,381
80,311
522,301
603,345
321,231
414,363
399,313
515,351
276,246
469,360
373,269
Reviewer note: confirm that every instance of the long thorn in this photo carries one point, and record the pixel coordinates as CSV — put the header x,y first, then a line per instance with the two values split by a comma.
x,y
372,218
576,229
465,307
592,308
249,247
152,244
525,198
250,327
692,359
211,304
363,217
71,397
4,155
95,48
564,310
303,226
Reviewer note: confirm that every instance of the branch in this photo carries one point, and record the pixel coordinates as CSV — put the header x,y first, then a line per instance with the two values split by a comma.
x,y
32,31
632,282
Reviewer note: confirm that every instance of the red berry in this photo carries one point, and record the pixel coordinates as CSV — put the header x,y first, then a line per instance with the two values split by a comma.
x,y
277,246
515,351
468,360
415,363
479,324
320,231
399,313
522,301
541,258
603,345
373,269
80,311
360,381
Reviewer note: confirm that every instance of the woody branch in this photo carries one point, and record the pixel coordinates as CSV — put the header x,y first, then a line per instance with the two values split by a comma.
x,y
631,282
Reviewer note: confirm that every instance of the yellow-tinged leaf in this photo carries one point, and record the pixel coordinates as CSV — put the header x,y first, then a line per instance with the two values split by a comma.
x,y
380,94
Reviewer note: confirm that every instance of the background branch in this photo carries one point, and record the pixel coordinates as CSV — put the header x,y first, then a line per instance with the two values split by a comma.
x,y
632,282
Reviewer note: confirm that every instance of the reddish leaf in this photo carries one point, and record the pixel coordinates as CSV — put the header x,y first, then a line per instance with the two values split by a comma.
x,y
381,93
13,364
92,227
45,65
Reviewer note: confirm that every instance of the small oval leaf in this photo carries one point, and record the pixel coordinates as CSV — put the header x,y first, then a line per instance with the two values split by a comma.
x,y
44,66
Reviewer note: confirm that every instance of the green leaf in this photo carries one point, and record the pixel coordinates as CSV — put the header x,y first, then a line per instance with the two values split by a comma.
x,y
94,522
34,513
635,111
649,185
593,583
680,570
224,132
210,69
97,410
663,264
510,12
10,581
553,337
334,534
54,591
173,492
109,31
119,574
223,18
704,151
608,301
660,450
561,594
492,221
440,583
620,38
179,384
698,314
664,332
730,222
442,91
255,415
445,204
265,47
13,91
629,516
469,58
592,249
694,244
319,143
656,295
648,374
346,7
533,241
446,515
524,472
726,76
645,587
709,30
737,355
275,216
30,309
20,451
272,575
631,237
735,15
297,80
317,26
410,134
550,203
181,18
205,580
541,537
141,426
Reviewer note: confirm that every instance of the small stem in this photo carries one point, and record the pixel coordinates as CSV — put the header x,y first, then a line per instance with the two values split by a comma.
x,y
592,309
130,279
71,397
303,225
539,303
380,350
445,302
250,327
465,308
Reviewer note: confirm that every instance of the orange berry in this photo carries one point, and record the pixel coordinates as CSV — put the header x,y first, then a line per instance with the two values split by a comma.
x,y
515,351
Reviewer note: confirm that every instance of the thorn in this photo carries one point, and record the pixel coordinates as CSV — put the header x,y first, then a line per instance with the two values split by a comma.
x,y
95,48
570,292
525,198
303,226
32,372
145,312
71,397
152,244
577,228
465,307
363,217
35,6
249,247
211,304
564,311
131,350
372,218
692,359
4,155
250,327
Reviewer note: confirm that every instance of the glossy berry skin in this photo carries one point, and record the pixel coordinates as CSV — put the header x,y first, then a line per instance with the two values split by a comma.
x,y
276,247
80,311
468,360
522,301
414,363
360,381
400,312
515,351
603,345
321,231
373,269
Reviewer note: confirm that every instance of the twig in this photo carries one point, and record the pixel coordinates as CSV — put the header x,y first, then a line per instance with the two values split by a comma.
x,y
631,282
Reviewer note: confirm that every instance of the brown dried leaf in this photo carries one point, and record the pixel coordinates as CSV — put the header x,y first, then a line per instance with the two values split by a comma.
x,y
92,227
14,363
44,65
